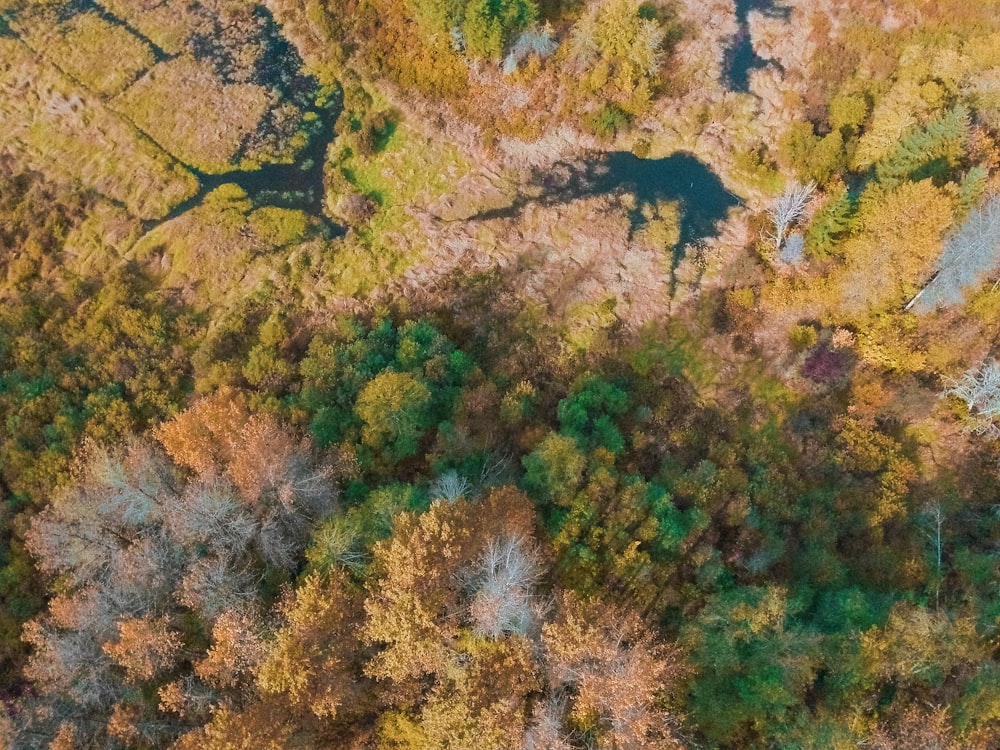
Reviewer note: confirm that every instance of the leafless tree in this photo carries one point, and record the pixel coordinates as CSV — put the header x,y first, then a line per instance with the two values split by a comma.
x,y
788,209
969,256
533,41
449,486
934,517
794,250
504,580
212,585
546,730
979,388
135,552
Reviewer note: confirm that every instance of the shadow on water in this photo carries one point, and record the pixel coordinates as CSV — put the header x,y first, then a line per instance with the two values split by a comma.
x,y
298,185
741,57
680,177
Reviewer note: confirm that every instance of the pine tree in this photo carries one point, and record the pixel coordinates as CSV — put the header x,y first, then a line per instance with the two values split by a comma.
x,y
931,150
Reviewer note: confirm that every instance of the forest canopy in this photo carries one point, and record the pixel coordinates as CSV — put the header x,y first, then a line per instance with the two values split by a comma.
x,y
501,374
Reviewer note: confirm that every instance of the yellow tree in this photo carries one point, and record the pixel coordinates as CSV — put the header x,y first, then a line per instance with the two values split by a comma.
x,y
619,676
450,687
893,253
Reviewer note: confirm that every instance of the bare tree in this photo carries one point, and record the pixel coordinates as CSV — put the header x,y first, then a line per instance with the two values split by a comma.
x,y
788,209
449,486
211,514
136,553
532,41
546,730
212,585
979,388
933,515
968,257
504,579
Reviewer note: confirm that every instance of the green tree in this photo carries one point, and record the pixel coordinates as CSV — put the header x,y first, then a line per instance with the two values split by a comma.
x,y
489,25
394,411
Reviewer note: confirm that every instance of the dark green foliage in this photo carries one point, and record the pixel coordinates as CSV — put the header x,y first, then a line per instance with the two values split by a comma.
x,y
782,534
381,388
488,25
832,223
933,151
607,121
754,666
589,414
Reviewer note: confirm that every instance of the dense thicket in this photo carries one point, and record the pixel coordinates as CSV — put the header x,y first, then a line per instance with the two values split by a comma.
x,y
469,469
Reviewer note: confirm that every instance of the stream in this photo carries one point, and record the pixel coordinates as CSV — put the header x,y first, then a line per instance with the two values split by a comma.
x,y
741,57
298,185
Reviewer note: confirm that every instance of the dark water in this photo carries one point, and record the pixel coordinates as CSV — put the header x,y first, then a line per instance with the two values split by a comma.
x,y
680,177
741,57
298,185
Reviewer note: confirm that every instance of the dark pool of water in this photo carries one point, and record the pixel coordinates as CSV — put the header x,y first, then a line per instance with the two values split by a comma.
x,y
680,177
298,185
741,57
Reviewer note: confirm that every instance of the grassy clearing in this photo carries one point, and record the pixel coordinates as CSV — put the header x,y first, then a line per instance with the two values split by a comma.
x,y
167,24
223,248
409,171
100,240
59,129
80,47
193,115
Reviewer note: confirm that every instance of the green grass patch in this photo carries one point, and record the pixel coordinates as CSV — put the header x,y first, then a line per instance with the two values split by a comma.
x,y
80,47
409,170
192,114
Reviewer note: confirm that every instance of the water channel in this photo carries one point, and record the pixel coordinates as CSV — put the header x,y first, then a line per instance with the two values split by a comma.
x,y
297,185
741,57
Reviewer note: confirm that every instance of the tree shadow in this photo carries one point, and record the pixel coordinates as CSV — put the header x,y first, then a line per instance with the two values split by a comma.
x,y
681,177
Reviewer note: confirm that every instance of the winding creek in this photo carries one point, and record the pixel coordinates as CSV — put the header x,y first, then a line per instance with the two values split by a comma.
x,y
296,185
741,57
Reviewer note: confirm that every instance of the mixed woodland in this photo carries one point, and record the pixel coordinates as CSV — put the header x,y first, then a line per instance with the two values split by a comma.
x,y
353,395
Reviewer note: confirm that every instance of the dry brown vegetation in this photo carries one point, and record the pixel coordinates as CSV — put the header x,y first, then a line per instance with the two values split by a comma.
x,y
79,47
192,114
57,127
223,248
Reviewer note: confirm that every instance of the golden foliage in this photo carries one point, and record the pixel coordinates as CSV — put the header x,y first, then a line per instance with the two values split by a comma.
x,y
146,646
892,254
200,437
919,645
617,672
236,651
310,660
